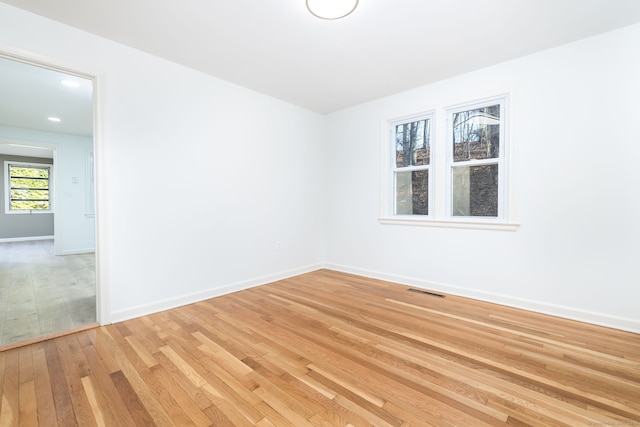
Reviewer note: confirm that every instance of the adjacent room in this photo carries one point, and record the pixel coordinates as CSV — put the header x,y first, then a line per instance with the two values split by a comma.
x,y
47,230
404,213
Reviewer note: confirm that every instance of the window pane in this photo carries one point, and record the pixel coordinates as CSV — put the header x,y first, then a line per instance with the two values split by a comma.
x,y
25,205
29,172
412,192
29,183
475,190
29,188
30,194
413,147
476,134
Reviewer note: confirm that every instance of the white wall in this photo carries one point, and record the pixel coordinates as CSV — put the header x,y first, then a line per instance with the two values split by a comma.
x,y
575,111
74,230
197,178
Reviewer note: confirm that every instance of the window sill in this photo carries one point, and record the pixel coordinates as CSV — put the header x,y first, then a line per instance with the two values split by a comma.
x,y
450,223
26,212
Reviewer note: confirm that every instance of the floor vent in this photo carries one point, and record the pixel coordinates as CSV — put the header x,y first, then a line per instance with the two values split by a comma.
x,y
420,291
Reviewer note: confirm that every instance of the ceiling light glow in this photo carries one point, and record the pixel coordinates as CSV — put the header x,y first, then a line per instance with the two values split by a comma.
x,y
54,119
70,83
331,9
35,147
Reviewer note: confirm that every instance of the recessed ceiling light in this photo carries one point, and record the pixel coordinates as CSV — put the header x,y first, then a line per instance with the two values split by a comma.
x,y
70,83
54,119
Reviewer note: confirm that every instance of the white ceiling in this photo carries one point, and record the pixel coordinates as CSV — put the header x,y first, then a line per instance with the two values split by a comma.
x,y
30,94
278,48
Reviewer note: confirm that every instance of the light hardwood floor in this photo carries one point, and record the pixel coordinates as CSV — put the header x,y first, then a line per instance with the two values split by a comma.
x,y
43,294
328,349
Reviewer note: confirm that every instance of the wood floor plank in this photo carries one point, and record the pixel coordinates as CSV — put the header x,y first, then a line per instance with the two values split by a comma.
x,y
328,349
96,407
59,388
27,393
10,406
46,409
28,409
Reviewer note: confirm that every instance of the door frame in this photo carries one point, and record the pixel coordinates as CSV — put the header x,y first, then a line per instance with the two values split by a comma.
x,y
103,300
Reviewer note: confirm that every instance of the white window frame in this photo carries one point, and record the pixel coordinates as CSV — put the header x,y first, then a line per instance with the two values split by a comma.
x,y
7,188
391,156
500,161
440,173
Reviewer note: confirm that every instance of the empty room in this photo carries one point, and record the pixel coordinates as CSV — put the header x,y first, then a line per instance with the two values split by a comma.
x,y
415,213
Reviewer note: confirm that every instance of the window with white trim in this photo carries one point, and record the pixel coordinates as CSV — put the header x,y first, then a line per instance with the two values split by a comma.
x,y
476,159
453,177
411,164
27,187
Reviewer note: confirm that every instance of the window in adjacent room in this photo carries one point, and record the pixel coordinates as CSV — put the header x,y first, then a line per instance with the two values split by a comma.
x,y
27,187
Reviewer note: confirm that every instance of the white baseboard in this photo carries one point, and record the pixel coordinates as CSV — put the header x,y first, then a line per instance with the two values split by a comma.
x,y
157,306
625,324
25,239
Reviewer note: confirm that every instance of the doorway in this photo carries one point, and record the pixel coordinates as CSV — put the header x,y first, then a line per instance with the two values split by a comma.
x,y
47,256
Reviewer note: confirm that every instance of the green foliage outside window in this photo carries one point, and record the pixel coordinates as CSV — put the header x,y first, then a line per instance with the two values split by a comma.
x,y
29,188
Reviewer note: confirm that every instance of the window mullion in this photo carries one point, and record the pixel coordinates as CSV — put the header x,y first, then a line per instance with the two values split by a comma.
x,y
476,162
411,168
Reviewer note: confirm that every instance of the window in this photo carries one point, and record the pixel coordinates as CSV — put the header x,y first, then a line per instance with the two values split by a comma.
x,y
457,178
27,187
475,160
411,163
